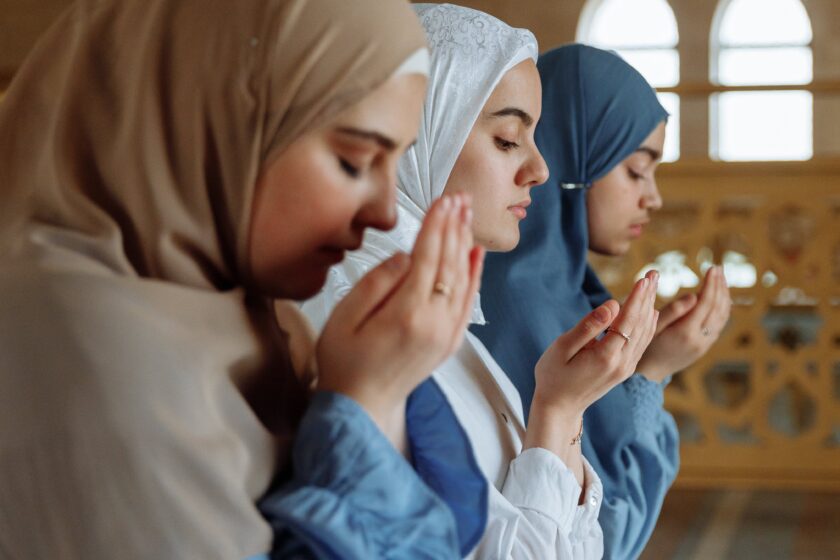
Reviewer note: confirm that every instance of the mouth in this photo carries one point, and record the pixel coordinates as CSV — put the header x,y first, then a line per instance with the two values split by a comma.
x,y
335,253
636,230
519,209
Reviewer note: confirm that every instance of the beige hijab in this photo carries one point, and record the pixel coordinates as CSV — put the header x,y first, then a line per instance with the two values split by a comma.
x,y
130,346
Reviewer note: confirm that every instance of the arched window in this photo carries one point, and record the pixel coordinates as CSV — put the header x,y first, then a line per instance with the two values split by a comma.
x,y
644,32
762,43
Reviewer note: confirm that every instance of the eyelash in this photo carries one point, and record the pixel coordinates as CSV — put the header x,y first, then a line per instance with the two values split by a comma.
x,y
349,169
505,145
635,176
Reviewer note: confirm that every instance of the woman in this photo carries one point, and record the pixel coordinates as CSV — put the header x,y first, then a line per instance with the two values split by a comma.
x,y
167,167
477,139
603,128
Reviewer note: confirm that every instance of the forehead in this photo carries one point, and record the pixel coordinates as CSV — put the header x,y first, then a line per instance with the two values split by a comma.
x,y
519,87
393,106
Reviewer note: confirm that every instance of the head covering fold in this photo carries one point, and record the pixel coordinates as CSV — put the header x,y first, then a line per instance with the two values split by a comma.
x,y
597,110
130,144
471,52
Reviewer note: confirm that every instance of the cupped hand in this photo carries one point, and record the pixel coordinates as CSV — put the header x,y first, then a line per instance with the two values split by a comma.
x,y
688,327
578,368
405,317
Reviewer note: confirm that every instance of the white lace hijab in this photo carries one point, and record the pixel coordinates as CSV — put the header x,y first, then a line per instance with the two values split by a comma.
x,y
471,51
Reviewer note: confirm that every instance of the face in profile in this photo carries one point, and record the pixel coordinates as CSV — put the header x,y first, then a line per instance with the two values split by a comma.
x,y
619,204
314,201
500,163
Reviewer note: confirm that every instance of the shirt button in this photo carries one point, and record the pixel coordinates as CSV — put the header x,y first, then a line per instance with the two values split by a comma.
x,y
593,501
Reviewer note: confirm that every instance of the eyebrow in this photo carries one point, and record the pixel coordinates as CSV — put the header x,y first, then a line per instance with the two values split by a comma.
x,y
526,119
372,136
654,154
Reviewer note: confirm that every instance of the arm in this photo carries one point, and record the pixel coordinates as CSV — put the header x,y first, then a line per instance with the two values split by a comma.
x,y
352,495
635,450
536,515
548,506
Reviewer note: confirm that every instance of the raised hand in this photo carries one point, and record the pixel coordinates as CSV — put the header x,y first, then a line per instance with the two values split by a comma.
x,y
687,328
579,368
405,317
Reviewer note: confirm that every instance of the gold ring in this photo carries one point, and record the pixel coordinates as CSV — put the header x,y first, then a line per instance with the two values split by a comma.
x,y
619,333
442,289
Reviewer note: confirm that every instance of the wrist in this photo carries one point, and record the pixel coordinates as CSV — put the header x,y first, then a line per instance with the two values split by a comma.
x,y
553,428
651,370
385,410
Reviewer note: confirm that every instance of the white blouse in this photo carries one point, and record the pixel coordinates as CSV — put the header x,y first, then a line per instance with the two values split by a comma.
x,y
533,505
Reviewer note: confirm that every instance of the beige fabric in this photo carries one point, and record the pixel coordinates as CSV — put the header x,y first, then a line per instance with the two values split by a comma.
x,y
130,347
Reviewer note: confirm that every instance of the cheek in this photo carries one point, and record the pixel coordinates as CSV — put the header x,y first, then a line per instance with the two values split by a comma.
x,y
298,214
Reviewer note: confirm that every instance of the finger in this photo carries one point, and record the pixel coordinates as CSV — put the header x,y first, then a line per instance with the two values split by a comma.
x,y
445,289
425,257
719,315
592,325
612,341
476,269
706,313
705,298
372,292
466,265
645,320
675,311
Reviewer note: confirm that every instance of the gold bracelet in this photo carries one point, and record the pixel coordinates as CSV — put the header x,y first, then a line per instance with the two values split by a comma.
x,y
576,440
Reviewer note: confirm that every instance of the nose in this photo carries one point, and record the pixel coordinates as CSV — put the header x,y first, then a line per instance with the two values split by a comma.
x,y
651,199
379,209
534,171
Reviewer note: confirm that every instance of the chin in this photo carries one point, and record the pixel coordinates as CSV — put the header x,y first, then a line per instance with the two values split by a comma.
x,y
501,244
299,285
617,248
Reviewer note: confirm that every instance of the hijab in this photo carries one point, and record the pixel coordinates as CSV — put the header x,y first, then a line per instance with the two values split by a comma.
x,y
471,52
597,110
130,342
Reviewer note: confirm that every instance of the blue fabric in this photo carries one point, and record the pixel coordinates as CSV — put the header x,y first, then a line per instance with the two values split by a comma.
x,y
352,495
597,110
443,457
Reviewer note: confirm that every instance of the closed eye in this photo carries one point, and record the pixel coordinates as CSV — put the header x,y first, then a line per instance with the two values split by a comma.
x,y
505,145
348,168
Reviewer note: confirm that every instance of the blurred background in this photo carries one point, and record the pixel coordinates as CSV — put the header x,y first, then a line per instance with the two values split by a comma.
x,y
752,182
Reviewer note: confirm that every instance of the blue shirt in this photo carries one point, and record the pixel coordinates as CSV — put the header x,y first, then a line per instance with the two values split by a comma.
x,y
352,495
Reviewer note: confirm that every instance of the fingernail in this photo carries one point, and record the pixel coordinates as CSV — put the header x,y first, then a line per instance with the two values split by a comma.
x,y
602,315
645,282
447,203
469,215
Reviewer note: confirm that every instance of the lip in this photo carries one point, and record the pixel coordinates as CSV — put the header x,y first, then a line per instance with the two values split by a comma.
x,y
336,252
637,229
519,209
333,254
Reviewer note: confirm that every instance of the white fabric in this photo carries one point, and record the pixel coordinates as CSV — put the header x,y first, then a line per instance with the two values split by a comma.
x,y
533,506
417,63
471,51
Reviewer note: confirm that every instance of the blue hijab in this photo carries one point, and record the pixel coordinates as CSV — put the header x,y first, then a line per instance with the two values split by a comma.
x,y
597,110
